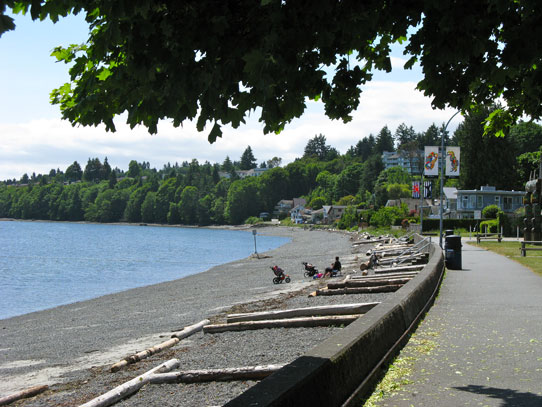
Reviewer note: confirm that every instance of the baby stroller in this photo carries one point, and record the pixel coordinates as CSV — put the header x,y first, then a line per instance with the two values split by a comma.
x,y
280,276
310,270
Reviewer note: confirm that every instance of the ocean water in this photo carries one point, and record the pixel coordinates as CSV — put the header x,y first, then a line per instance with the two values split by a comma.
x,y
46,264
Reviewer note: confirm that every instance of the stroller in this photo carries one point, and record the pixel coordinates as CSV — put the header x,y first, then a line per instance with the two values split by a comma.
x,y
310,270
280,276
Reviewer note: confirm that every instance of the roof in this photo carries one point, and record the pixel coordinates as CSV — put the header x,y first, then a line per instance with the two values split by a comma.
x,y
450,192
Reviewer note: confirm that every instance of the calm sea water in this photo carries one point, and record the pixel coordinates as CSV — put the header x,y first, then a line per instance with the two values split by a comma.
x,y
43,265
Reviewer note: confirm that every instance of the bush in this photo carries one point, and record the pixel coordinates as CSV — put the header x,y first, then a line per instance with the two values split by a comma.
x,y
491,226
388,216
251,220
490,212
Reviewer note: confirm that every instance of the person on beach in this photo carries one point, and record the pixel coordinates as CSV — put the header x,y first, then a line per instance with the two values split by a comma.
x,y
334,269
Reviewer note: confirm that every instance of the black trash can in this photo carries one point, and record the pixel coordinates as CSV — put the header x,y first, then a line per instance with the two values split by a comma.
x,y
452,251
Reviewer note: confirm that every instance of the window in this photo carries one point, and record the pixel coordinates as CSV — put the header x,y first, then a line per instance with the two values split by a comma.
x,y
479,201
507,203
473,201
465,203
498,201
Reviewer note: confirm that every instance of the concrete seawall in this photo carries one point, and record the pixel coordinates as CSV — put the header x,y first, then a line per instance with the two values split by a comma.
x,y
342,370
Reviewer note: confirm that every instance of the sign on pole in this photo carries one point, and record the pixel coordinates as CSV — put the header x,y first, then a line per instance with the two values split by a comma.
x,y
416,189
452,161
431,161
428,189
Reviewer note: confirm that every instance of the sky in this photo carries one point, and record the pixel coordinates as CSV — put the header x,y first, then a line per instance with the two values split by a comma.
x,y
33,138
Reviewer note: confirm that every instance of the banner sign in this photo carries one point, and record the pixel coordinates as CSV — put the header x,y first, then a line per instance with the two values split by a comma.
x,y
416,189
452,161
428,189
431,161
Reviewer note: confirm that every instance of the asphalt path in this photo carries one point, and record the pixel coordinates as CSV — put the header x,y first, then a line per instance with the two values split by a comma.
x,y
481,343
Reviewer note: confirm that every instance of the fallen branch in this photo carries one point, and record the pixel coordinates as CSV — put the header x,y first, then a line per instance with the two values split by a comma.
x,y
282,323
215,375
189,330
338,309
130,387
23,394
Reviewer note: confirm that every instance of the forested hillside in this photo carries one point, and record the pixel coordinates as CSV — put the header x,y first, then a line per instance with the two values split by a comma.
x,y
203,193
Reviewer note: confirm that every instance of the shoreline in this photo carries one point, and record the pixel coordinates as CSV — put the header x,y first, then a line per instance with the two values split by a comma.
x,y
61,344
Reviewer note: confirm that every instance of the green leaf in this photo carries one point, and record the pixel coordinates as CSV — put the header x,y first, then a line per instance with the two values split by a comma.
x,y
215,132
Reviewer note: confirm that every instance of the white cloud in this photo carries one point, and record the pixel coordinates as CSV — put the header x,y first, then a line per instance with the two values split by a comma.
x,y
38,146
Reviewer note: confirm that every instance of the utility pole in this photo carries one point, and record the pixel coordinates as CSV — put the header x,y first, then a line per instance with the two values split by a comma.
x,y
442,158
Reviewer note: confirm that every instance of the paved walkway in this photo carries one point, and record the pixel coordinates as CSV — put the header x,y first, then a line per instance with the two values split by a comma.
x,y
481,343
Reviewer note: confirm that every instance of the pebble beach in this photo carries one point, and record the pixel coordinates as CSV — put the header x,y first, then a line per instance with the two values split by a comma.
x,y
71,348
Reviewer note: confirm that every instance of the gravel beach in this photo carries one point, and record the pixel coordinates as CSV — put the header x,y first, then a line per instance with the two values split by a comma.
x,y
71,348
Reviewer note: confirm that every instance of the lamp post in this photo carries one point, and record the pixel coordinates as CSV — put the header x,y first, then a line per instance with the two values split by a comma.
x,y
442,159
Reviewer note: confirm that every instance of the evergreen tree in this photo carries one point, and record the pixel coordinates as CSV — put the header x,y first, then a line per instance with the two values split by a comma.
x,y
74,172
384,141
248,161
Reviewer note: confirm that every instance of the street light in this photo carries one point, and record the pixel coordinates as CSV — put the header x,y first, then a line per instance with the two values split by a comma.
x,y
442,165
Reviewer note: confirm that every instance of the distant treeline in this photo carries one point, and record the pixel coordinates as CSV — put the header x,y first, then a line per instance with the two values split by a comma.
x,y
203,194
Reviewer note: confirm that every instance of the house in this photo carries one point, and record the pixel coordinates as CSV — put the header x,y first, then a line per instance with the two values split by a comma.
x,y
413,204
470,203
409,162
254,172
283,206
300,214
449,202
332,213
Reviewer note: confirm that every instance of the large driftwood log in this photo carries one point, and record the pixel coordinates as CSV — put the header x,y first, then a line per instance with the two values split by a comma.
x,y
386,275
308,322
189,330
337,309
23,394
130,387
414,267
368,282
359,290
215,375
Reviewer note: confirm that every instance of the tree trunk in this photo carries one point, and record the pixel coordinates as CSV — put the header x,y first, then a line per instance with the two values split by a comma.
x,y
339,309
214,375
23,394
130,387
282,323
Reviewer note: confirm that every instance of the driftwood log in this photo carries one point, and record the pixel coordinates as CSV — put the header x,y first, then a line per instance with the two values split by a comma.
x,y
337,309
130,387
414,267
308,322
189,330
357,290
385,275
368,283
23,394
215,375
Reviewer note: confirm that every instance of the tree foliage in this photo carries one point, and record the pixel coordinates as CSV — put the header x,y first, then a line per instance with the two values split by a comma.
x,y
216,63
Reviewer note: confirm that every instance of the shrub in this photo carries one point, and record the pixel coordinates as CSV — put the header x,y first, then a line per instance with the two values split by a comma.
x,y
492,226
251,220
490,212
387,216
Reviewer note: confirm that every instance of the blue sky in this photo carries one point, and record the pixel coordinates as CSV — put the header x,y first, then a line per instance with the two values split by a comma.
x,y
33,138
